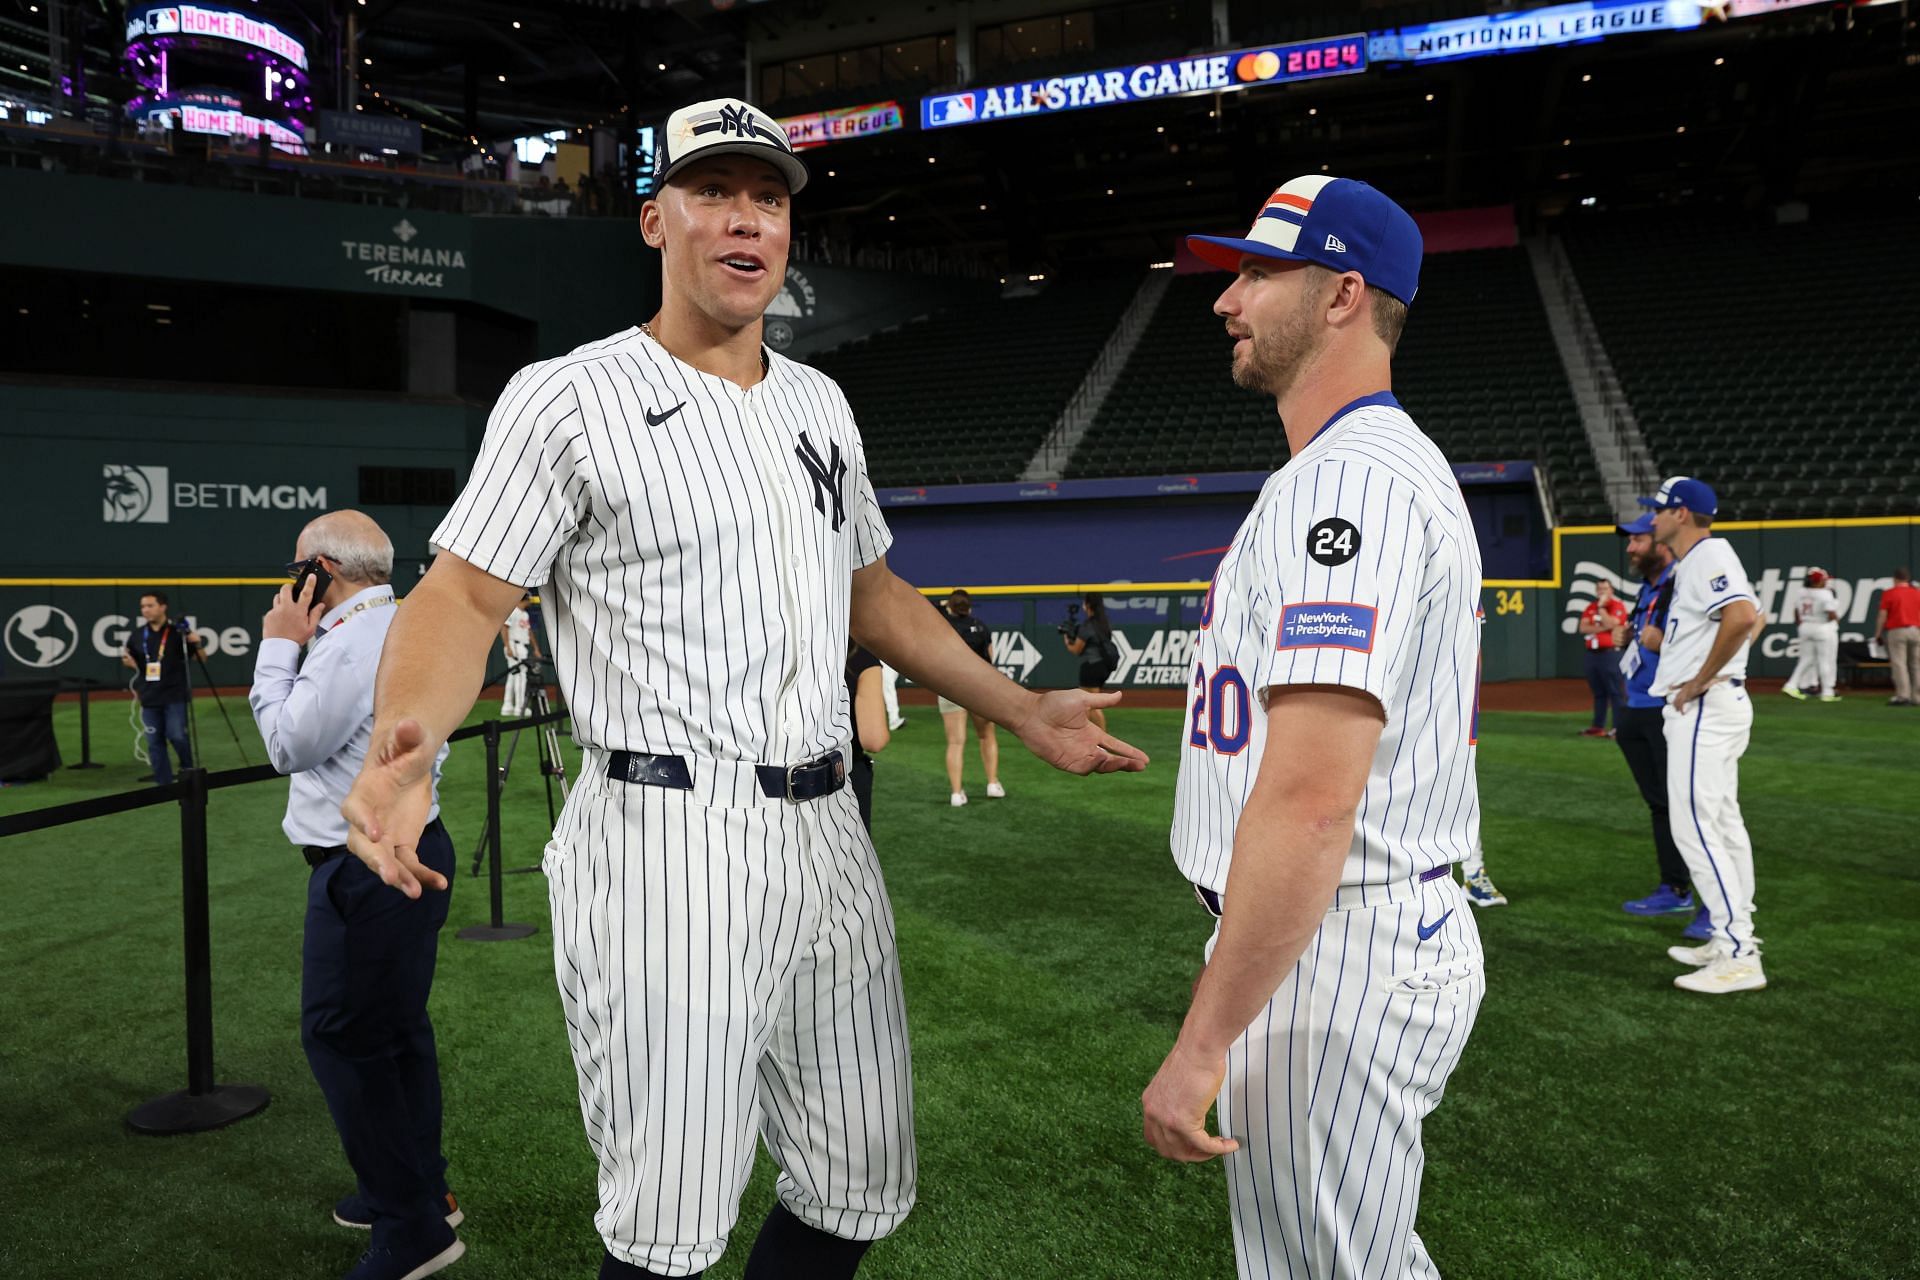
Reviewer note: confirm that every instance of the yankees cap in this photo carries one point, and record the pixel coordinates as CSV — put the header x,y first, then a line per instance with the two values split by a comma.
x,y
1684,491
725,126
1340,223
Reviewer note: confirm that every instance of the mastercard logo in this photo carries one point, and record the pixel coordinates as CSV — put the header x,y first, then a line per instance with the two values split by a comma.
x,y
1264,65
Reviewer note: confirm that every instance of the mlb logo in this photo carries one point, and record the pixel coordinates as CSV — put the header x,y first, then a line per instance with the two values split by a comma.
x,y
957,109
162,21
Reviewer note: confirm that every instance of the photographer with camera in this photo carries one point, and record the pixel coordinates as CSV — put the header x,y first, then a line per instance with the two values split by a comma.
x,y
158,651
1091,640
979,638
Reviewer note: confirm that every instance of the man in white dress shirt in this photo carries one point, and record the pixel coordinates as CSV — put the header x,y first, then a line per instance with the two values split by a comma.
x,y
367,961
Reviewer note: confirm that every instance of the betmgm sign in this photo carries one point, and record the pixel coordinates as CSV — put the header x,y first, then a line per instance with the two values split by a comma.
x,y
138,494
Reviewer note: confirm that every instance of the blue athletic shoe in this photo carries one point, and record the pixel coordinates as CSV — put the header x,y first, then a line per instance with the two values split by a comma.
x,y
1700,929
1664,901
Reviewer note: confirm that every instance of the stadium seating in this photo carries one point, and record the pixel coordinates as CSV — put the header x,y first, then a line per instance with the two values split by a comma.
x,y
1776,362
1476,368
968,394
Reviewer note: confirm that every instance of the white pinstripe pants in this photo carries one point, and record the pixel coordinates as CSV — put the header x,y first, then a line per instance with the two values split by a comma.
x,y
1326,1091
725,969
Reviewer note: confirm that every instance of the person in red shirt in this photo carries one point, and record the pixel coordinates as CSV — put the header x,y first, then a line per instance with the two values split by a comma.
x,y
1900,626
1602,627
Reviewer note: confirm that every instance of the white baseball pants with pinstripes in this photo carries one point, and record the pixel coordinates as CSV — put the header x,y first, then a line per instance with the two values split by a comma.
x,y
1327,1090
1704,746
727,970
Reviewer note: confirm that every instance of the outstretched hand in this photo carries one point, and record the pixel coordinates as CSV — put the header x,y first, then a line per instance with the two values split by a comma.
x,y
1059,731
387,809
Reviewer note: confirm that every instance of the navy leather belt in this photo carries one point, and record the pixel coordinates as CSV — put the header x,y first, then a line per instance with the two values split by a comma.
x,y
318,855
1211,900
797,783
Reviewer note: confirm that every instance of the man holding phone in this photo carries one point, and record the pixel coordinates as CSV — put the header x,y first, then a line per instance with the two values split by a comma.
x,y
368,958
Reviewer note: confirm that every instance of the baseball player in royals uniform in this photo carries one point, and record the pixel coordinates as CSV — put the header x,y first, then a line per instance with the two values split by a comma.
x,y
1327,779
1711,620
1817,610
725,952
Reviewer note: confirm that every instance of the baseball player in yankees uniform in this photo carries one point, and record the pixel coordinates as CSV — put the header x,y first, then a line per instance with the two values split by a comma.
x,y
701,510
1817,610
1327,781
1711,621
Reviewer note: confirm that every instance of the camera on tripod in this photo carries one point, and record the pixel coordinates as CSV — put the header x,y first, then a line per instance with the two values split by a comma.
x,y
1071,627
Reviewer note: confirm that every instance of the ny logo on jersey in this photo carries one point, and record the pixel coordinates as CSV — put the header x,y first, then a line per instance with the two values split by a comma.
x,y
827,478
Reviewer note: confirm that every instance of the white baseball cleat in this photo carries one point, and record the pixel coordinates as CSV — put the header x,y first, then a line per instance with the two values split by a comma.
x,y
996,792
1725,974
896,722
958,798
1704,954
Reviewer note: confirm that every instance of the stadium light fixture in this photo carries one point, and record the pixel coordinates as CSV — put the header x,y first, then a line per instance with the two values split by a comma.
x,y
1159,128
983,208
502,79
1159,266
1036,277
1313,111
1719,62
662,66
366,61
929,159
516,24
1566,142
890,217
1681,129
1429,97
1586,78
1587,202
830,173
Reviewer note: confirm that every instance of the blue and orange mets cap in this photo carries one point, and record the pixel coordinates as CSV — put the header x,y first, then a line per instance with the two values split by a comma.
x,y
1340,223
1684,491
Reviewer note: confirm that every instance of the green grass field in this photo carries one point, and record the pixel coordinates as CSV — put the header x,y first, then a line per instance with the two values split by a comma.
x,y
1602,1123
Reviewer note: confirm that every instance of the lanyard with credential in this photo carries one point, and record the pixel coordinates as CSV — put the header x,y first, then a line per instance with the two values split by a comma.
x,y
377,602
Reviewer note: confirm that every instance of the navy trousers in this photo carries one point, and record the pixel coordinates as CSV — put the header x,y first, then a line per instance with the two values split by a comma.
x,y
367,968
166,723
1642,735
1608,685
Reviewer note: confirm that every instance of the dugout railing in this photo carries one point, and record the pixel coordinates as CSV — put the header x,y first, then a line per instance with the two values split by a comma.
x,y
205,1103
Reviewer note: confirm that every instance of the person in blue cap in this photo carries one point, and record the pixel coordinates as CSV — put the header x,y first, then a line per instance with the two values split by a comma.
x,y
1641,726
1712,620
1327,776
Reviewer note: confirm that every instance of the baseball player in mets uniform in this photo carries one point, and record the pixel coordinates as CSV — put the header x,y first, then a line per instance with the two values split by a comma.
x,y
722,939
1327,782
1711,622
1817,610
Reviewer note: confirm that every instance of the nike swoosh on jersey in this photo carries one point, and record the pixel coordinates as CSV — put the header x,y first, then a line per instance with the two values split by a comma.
x,y
655,419
1428,930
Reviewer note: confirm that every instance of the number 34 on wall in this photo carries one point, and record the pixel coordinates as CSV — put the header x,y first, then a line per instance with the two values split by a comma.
x,y
1506,602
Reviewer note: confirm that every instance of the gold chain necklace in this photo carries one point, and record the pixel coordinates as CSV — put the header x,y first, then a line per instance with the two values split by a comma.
x,y
766,364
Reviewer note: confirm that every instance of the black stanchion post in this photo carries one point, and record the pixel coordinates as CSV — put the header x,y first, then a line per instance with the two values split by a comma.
x,y
86,730
497,930
202,1104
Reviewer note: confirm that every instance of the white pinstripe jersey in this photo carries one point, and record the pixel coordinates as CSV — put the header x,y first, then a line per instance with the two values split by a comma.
x,y
1357,566
699,541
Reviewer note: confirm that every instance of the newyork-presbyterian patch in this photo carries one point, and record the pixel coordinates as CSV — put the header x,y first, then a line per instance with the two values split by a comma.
x,y
1327,624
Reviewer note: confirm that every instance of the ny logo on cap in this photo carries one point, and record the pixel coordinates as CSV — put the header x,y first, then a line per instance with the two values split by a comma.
x,y
1334,245
736,120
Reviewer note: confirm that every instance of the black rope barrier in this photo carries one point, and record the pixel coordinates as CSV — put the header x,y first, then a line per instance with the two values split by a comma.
x,y
86,685
205,1104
